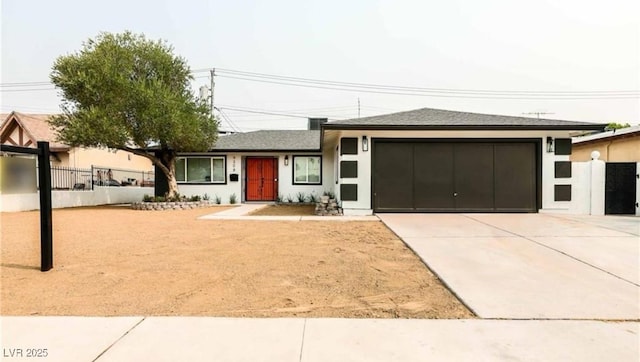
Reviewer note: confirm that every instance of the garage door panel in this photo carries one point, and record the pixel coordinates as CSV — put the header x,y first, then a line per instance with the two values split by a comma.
x,y
484,176
473,180
433,176
515,177
393,176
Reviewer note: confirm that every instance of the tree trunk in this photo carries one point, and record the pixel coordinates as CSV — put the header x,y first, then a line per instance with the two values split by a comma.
x,y
168,167
171,182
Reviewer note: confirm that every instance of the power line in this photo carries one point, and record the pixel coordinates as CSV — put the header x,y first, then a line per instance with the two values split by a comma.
x,y
298,80
506,97
247,110
26,90
229,121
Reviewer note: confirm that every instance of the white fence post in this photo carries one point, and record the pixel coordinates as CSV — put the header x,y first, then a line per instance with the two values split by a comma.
x,y
597,184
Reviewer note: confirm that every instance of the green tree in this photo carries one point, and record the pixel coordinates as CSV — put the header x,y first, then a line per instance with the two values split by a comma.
x,y
614,125
125,92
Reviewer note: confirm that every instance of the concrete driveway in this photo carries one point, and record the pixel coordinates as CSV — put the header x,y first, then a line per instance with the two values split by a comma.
x,y
531,266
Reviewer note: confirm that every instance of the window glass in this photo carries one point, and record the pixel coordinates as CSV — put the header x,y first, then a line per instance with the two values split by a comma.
x,y
199,170
180,169
301,169
314,169
218,170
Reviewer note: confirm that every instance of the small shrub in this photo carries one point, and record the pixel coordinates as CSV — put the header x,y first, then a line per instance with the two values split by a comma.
x,y
160,199
313,198
279,199
330,194
194,198
147,198
175,198
289,199
205,197
218,200
232,198
300,196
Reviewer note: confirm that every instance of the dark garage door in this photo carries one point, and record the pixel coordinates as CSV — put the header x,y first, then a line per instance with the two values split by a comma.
x,y
431,176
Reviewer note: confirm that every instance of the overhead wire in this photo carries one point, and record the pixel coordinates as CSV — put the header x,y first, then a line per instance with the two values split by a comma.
x,y
440,95
252,75
229,121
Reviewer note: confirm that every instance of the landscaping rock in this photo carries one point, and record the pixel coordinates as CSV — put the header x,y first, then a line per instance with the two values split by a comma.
x,y
158,206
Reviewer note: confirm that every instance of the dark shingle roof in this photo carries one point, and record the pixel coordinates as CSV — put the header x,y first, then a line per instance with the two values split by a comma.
x,y
285,140
429,118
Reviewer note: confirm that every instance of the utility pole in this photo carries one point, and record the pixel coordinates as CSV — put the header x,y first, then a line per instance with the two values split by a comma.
x,y
213,84
537,113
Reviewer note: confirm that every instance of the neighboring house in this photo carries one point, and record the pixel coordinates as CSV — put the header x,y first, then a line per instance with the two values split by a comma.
x,y
620,149
620,145
425,160
20,129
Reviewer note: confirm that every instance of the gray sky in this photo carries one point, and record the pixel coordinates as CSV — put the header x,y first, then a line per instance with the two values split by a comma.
x,y
569,46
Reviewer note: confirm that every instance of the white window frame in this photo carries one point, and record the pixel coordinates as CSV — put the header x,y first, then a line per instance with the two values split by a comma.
x,y
211,159
307,182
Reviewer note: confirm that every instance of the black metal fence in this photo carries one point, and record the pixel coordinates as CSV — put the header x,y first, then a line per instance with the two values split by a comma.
x,y
104,176
84,179
70,178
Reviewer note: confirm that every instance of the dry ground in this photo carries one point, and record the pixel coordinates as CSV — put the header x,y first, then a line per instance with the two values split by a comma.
x,y
112,261
285,209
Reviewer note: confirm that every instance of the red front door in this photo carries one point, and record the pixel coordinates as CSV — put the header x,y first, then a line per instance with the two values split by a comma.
x,y
262,179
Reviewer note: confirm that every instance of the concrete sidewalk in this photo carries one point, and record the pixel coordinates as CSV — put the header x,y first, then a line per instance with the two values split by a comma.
x,y
288,339
242,213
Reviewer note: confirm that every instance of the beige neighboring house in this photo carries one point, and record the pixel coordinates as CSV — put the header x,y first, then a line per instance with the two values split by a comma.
x,y
621,145
21,129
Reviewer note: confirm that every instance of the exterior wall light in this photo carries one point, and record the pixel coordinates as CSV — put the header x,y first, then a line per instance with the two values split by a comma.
x,y
549,144
365,144
286,160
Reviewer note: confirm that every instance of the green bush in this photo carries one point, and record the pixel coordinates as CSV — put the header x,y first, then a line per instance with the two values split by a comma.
x,y
232,198
330,194
301,197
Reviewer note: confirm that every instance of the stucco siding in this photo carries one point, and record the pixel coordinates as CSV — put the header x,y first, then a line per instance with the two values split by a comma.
x,y
615,150
236,164
87,157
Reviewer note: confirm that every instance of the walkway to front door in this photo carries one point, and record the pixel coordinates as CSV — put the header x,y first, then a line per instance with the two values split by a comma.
x,y
262,179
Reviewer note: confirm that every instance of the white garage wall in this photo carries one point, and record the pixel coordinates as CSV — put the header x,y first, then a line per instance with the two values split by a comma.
x,y
363,205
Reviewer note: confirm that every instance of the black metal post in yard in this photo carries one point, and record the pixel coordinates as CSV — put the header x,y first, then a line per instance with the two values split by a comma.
x,y
46,224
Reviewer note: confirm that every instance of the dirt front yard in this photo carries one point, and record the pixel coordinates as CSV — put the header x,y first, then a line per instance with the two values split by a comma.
x,y
113,261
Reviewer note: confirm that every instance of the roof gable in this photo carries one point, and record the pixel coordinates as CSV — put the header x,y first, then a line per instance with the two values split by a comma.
x,y
429,118
34,127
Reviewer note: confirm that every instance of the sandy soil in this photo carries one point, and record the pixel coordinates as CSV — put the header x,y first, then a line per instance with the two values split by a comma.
x,y
112,261
285,209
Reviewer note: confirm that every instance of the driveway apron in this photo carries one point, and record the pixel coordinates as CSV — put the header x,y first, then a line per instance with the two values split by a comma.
x,y
530,266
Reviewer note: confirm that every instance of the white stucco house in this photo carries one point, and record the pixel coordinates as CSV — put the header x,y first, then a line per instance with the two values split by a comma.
x,y
425,160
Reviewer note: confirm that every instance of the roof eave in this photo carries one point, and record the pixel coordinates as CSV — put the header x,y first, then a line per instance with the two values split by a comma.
x,y
586,127
607,138
244,150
